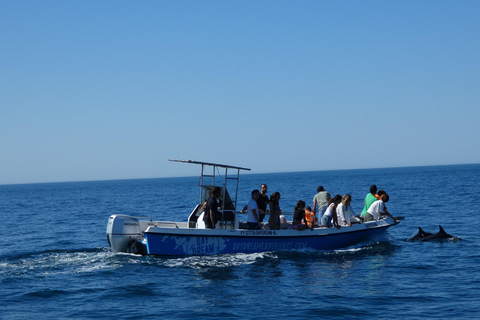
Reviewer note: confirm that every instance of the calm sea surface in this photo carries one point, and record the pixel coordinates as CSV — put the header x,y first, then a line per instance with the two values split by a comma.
x,y
55,262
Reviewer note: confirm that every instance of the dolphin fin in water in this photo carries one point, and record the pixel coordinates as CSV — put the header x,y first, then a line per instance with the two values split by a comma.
x,y
419,235
441,235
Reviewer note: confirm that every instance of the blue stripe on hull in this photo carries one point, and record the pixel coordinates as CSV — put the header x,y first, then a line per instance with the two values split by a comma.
x,y
164,244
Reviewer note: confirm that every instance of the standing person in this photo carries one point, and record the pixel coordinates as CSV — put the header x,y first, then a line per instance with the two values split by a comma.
x,y
329,219
320,201
369,199
275,212
253,221
211,215
262,202
345,211
378,209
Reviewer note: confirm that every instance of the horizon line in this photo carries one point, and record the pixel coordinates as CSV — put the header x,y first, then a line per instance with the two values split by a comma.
x,y
249,173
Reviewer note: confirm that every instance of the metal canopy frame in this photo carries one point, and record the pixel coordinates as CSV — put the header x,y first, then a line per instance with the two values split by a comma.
x,y
215,167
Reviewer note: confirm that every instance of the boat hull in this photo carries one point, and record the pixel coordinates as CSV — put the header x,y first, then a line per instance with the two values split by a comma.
x,y
184,242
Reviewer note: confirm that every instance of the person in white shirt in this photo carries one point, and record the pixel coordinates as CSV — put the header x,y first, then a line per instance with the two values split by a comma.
x,y
329,219
345,211
377,209
253,221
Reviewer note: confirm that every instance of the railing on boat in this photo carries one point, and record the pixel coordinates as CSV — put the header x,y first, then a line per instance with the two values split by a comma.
x,y
203,187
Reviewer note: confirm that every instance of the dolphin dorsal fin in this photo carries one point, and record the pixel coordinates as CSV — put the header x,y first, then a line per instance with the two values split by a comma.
x,y
423,233
441,229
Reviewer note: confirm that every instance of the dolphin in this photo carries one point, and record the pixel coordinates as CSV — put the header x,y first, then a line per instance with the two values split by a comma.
x,y
419,235
441,235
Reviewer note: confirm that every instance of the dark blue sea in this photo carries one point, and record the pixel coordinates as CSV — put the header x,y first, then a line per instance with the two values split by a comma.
x,y
55,262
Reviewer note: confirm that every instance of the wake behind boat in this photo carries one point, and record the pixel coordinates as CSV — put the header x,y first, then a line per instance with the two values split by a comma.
x,y
141,235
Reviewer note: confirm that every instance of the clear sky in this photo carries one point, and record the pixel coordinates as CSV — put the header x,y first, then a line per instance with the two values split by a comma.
x,y
99,90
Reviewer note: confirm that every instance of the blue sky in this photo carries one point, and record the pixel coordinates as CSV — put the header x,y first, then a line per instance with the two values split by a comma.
x,y
98,90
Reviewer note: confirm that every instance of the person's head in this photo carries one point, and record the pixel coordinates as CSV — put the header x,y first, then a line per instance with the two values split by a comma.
x,y
216,192
255,194
300,205
337,199
263,188
380,192
346,199
320,188
385,197
308,208
373,189
275,197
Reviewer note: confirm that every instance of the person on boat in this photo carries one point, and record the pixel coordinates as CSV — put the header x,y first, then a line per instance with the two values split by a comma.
x,y
275,212
369,199
212,215
310,217
329,219
262,203
345,212
379,194
378,209
299,220
320,201
253,220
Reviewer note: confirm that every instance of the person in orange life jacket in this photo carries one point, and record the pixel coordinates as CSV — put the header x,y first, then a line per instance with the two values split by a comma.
x,y
310,217
379,194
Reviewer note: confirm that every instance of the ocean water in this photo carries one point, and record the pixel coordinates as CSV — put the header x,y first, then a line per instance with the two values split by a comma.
x,y
55,262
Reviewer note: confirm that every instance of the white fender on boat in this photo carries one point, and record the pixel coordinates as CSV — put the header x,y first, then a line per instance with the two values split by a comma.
x,y
200,223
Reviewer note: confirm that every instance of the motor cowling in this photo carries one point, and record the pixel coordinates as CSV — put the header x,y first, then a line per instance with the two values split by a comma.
x,y
121,231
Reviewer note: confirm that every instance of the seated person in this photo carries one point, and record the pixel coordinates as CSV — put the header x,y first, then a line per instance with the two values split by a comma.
x,y
299,215
345,212
329,219
309,217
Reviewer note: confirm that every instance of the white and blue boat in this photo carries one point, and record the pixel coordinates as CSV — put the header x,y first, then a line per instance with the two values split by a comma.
x,y
141,235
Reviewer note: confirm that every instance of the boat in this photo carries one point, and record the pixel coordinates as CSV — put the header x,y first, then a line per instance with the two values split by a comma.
x,y
141,235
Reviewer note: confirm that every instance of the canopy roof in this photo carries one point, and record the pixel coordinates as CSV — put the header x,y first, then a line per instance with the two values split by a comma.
x,y
209,164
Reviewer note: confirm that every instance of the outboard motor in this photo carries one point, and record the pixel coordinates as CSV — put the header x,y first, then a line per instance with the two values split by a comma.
x,y
123,233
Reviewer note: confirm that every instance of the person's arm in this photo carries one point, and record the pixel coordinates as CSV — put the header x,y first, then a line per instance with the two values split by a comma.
x,y
315,205
212,218
352,212
255,215
341,212
244,209
386,213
